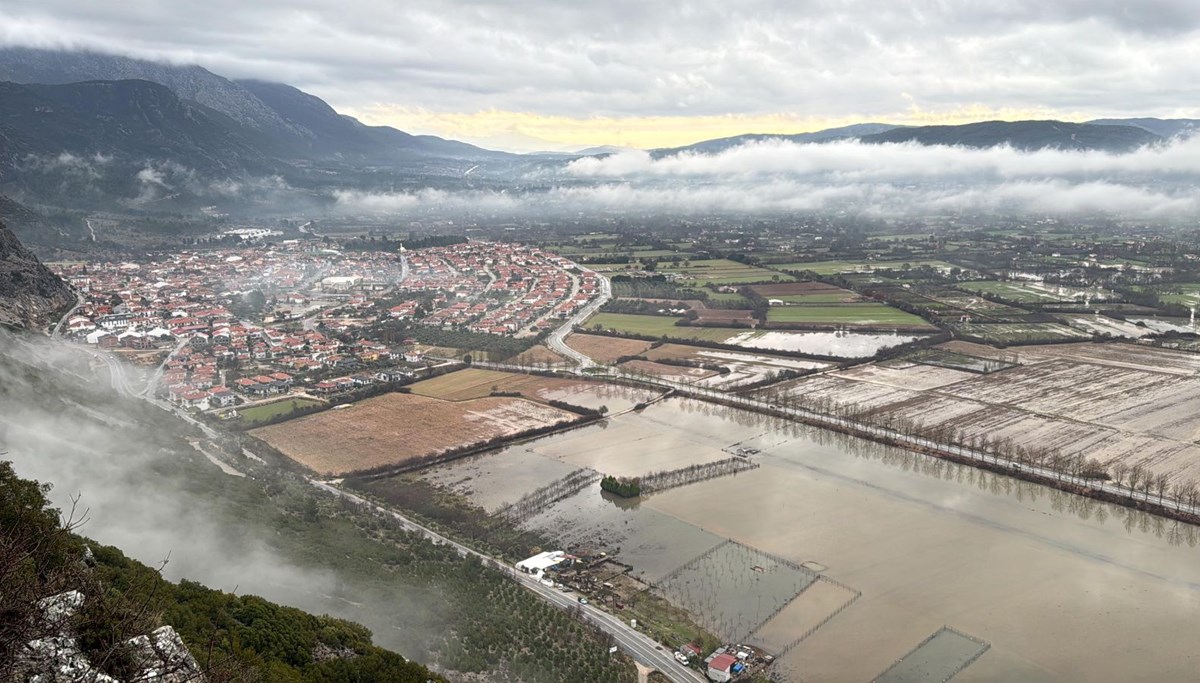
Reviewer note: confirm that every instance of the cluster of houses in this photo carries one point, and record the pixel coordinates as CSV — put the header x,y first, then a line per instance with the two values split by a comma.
x,y
497,288
190,296
195,296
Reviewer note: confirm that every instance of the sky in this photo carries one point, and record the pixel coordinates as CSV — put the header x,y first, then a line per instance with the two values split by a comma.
x,y
565,74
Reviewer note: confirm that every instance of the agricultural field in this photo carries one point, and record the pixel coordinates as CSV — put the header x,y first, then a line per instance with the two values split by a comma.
x,y
657,326
1112,403
477,383
1099,324
397,428
1017,333
807,293
1184,294
267,411
735,588
720,272
473,383
604,349
864,314
835,267
839,344
538,355
673,373
1019,292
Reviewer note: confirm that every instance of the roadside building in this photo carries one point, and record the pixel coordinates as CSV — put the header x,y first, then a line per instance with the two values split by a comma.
x,y
720,668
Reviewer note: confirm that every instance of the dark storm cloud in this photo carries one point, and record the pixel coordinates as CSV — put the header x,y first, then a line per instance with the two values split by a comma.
x,y
623,58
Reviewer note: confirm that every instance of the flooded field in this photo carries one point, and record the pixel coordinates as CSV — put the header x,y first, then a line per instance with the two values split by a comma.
x,y
1118,404
1063,588
735,589
664,436
938,658
834,344
1162,325
497,478
654,543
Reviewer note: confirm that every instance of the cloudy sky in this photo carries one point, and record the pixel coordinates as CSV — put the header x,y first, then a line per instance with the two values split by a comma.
x,y
571,73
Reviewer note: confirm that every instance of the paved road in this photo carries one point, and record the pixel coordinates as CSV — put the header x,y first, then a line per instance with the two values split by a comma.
x,y
638,645
557,341
67,316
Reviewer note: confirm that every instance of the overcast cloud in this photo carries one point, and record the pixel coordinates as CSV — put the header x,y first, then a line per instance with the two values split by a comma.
x,y
808,61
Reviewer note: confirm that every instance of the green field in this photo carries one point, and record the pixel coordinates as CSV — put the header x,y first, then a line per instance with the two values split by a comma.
x,y
268,411
1182,293
833,267
722,272
870,313
728,297
658,326
819,297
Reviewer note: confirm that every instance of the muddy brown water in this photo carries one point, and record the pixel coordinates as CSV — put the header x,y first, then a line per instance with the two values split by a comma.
x,y
1062,588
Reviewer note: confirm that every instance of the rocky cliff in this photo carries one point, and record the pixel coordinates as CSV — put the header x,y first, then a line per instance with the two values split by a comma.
x,y
30,295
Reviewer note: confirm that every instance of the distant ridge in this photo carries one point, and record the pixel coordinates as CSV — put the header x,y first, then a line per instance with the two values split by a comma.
x,y
1167,128
717,145
1024,135
1122,135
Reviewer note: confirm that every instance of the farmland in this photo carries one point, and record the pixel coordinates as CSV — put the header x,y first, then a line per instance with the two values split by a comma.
x,y
806,293
477,383
868,314
1017,333
835,267
1115,404
657,326
397,428
1018,292
913,539
720,272
606,349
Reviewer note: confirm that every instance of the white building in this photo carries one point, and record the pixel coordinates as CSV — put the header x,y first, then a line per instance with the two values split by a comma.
x,y
541,562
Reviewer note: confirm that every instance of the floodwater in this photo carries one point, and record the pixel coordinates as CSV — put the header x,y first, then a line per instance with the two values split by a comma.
x,y
667,435
735,589
1063,588
833,344
497,478
1162,325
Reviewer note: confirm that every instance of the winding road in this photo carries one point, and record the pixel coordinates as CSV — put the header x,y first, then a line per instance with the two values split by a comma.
x,y
557,341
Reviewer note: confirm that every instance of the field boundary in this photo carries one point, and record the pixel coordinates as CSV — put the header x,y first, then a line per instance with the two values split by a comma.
x,y
854,596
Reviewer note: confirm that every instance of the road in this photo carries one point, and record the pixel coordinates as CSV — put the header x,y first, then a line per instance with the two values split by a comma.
x,y
557,341
67,316
638,645
152,383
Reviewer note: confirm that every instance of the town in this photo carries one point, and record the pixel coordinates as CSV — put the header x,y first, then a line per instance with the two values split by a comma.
x,y
241,326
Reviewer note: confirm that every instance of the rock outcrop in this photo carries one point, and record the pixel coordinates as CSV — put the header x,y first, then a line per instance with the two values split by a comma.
x,y
30,295
161,655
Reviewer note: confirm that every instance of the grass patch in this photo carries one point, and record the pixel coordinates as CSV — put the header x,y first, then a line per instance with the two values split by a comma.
x,y
268,411
658,326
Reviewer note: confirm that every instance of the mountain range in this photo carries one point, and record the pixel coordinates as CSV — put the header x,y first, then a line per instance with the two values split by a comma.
x,y
84,130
